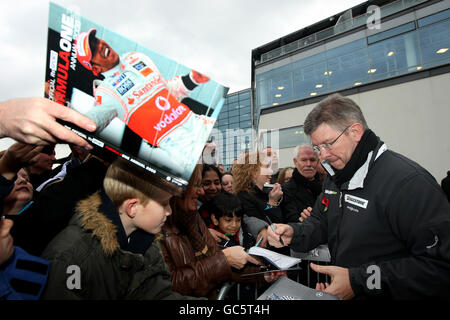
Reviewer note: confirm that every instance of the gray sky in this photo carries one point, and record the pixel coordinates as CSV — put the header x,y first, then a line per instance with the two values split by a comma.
x,y
214,37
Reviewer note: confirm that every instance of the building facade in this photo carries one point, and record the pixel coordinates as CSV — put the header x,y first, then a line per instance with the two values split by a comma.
x,y
233,131
391,57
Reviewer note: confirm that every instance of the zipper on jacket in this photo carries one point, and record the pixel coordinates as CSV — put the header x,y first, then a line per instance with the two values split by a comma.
x,y
341,209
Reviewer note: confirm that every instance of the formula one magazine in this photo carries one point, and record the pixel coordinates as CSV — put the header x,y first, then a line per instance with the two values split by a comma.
x,y
150,110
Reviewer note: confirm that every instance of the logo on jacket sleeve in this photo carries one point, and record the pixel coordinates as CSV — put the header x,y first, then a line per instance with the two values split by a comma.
x,y
360,202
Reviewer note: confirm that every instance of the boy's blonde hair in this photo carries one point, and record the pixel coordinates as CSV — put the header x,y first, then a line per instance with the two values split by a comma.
x,y
120,185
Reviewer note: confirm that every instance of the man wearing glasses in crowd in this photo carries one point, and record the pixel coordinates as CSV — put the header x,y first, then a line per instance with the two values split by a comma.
x,y
384,217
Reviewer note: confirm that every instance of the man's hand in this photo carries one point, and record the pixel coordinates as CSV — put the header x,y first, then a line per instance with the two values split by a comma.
x,y
238,258
340,281
33,121
274,276
263,234
275,194
217,235
305,214
17,156
281,230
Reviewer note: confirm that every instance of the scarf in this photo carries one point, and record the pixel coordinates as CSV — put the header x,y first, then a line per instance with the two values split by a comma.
x,y
367,143
313,186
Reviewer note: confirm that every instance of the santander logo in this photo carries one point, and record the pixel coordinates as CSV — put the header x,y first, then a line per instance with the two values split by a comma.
x,y
149,87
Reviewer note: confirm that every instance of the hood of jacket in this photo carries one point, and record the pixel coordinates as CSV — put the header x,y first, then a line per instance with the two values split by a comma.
x,y
92,220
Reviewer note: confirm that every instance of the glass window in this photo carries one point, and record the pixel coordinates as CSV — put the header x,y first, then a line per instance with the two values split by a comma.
x,y
245,124
233,119
391,32
244,109
310,79
435,43
232,106
281,88
233,113
349,47
222,115
309,60
348,69
245,117
292,137
434,18
233,98
262,89
244,95
393,56
288,138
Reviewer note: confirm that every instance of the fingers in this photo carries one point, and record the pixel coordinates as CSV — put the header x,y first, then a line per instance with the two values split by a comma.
x,y
275,236
322,286
218,236
305,214
323,269
253,260
57,111
67,114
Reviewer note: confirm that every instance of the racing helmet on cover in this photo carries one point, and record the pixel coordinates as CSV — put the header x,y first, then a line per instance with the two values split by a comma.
x,y
83,49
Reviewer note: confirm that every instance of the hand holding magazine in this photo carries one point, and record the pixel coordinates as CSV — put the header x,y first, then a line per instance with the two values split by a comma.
x,y
277,260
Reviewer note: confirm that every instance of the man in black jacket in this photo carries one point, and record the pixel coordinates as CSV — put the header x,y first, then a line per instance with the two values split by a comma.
x,y
302,190
385,218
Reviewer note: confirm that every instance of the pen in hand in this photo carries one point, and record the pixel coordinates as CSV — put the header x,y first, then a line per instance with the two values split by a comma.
x,y
273,228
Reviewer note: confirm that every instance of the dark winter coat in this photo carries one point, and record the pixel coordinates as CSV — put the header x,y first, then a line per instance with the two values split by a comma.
x,y
90,245
298,194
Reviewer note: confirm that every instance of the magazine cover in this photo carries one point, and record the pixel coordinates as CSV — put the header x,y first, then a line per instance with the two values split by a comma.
x,y
149,109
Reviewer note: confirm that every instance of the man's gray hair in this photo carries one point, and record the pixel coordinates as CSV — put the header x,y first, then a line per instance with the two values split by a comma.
x,y
301,146
336,111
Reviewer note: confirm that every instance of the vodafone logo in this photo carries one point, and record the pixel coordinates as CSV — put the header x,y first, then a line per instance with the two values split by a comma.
x,y
171,117
162,103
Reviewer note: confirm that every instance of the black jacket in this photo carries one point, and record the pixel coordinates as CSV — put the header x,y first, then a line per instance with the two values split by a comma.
x,y
254,204
51,212
391,214
108,268
298,194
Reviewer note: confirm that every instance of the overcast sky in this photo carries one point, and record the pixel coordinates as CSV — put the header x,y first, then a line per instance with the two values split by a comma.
x,y
214,37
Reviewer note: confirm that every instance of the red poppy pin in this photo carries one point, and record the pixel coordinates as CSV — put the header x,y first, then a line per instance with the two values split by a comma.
x,y
325,202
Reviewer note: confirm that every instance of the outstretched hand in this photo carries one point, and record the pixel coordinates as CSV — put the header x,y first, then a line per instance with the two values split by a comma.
x,y
17,156
33,121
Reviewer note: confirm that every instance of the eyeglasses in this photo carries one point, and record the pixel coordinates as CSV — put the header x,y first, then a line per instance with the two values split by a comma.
x,y
328,146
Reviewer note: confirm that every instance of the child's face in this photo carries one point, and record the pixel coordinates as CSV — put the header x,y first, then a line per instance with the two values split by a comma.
x,y
6,241
229,225
227,183
153,215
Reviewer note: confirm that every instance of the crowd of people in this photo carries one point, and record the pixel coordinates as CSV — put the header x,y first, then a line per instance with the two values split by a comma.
x,y
91,228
